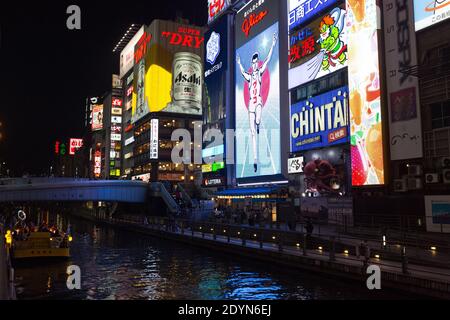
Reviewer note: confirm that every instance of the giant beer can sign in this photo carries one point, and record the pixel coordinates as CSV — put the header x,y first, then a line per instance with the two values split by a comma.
x,y
187,82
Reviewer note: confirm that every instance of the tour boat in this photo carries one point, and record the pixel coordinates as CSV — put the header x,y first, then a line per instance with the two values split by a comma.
x,y
41,245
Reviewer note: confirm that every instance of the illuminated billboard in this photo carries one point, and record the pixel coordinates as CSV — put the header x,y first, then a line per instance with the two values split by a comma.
x,y
97,163
97,117
215,70
127,54
320,121
405,124
430,12
367,152
257,91
216,8
75,144
300,11
168,72
319,48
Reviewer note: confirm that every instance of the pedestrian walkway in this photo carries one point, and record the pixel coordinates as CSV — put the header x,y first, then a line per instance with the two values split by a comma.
x,y
420,252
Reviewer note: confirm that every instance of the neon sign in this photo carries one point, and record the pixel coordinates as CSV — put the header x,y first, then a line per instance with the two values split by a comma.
x,y
116,102
252,20
141,49
97,164
75,144
216,7
185,37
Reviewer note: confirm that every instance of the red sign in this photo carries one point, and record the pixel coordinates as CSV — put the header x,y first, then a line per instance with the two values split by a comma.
x,y
116,129
185,37
57,147
252,20
75,144
97,163
141,49
130,91
337,135
116,102
129,128
302,49
215,7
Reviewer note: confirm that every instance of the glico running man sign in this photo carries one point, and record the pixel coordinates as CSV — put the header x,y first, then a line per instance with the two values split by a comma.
x,y
257,89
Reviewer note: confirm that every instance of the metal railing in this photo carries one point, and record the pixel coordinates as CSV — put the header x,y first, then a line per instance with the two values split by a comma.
x,y
390,252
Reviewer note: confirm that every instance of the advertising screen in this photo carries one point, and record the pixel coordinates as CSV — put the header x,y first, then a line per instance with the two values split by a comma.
x,y
300,11
430,12
127,54
216,8
367,150
97,117
320,121
319,48
215,66
405,125
168,70
257,91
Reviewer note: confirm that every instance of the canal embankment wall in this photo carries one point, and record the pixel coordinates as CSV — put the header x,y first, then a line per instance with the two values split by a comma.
x,y
351,270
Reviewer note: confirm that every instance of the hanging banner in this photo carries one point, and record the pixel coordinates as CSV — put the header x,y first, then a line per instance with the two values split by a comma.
x,y
405,123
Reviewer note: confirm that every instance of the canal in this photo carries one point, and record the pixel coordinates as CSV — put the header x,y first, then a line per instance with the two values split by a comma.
x,y
117,264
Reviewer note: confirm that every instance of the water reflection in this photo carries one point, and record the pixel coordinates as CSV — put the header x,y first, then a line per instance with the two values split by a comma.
x,y
121,265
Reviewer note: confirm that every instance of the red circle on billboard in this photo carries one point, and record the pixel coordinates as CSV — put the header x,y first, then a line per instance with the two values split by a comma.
x,y
265,86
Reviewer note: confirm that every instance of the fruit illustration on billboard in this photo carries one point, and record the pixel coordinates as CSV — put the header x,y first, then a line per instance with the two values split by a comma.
x,y
366,128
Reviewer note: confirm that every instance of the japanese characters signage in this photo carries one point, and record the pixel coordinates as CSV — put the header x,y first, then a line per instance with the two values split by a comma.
x,y
216,8
319,48
75,144
403,92
320,121
300,11
154,139
295,165
97,163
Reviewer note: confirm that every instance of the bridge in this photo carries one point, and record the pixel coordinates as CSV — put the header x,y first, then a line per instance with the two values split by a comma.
x,y
25,190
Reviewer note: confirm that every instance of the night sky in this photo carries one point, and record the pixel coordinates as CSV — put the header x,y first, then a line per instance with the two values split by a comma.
x,y
47,71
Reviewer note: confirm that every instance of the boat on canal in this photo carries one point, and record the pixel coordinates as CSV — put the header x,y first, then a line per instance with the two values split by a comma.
x,y
41,245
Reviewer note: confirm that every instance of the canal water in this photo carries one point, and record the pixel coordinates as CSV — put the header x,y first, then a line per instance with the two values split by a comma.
x,y
117,264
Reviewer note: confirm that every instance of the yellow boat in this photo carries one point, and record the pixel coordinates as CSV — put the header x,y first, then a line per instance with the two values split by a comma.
x,y
41,245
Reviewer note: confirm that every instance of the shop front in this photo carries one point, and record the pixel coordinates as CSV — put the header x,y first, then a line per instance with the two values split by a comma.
x,y
259,200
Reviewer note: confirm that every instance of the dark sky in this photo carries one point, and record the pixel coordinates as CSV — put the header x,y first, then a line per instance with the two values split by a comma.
x,y
47,71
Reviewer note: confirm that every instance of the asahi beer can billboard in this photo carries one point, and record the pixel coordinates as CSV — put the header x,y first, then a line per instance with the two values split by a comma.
x,y
168,70
187,83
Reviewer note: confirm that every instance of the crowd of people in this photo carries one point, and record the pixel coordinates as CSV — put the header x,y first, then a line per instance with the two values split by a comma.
x,y
22,230
247,215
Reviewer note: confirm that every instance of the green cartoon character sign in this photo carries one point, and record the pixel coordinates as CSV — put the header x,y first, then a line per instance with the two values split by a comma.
x,y
331,39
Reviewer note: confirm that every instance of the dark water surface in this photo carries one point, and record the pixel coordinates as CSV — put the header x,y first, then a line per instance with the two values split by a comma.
x,y
117,264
